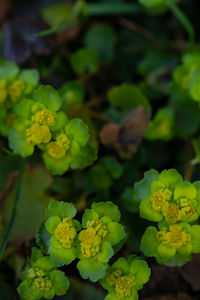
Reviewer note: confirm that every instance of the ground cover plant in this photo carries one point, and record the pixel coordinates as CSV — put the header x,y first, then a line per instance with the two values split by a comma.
x,y
99,150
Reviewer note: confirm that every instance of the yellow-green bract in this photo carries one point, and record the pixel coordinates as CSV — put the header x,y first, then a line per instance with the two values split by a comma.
x,y
101,231
65,239
15,85
40,122
175,204
41,279
125,277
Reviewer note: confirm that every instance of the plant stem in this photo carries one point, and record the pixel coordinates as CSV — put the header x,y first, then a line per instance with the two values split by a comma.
x,y
14,212
184,21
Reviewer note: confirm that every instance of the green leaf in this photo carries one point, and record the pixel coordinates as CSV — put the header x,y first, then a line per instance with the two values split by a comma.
x,y
43,237
31,79
30,211
162,125
128,97
147,212
48,96
57,167
123,265
8,70
35,255
100,177
78,130
60,282
106,252
84,60
112,166
91,269
60,255
56,13
170,178
195,238
89,215
165,252
102,38
149,242
72,93
61,120
116,233
25,291
139,268
23,109
142,188
108,209
45,263
52,223
86,156
18,144
185,189
61,209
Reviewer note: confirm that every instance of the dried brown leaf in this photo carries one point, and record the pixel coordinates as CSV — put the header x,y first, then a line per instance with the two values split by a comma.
x,y
126,136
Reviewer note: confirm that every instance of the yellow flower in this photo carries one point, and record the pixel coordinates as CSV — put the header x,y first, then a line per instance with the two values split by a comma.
x,y
44,117
15,89
99,227
65,232
36,135
90,242
124,285
3,91
56,150
172,213
160,199
174,238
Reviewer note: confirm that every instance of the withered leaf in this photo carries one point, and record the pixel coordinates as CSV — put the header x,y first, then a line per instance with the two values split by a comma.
x,y
191,272
126,136
20,39
4,9
180,296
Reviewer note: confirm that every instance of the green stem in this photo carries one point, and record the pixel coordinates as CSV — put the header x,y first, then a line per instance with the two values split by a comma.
x,y
110,8
14,212
184,21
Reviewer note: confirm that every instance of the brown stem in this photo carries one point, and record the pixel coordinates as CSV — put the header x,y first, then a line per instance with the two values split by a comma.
x,y
137,28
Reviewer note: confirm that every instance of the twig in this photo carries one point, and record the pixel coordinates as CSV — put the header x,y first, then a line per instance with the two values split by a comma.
x,y
189,164
137,28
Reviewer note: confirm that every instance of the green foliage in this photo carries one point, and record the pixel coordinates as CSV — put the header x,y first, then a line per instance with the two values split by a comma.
x,y
72,93
187,74
161,127
100,232
127,97
85,60
40,122
41,279
62,231
14,86
34,195
157,6
115,85
56,13
174,203
105,172
171,244
125,277
102,38
92,242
